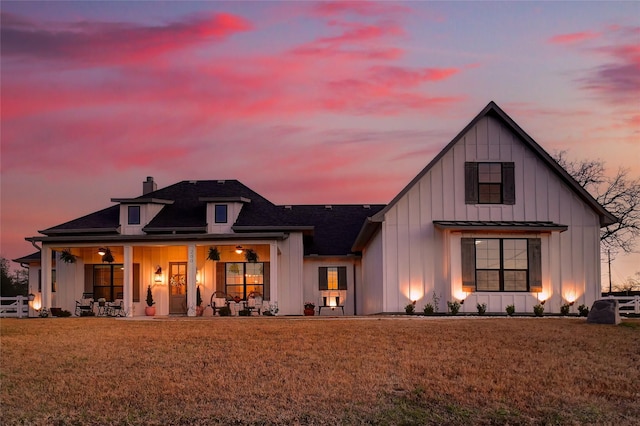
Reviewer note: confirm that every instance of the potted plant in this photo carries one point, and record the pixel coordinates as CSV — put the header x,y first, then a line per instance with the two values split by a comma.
x,y
251,256
454,307
199,307
309,309
150,310
511,309
482,308
214,254
107,256
67,257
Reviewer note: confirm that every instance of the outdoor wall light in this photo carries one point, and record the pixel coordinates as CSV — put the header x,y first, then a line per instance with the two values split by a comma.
x,y
102,251
158,275
31,297
239,249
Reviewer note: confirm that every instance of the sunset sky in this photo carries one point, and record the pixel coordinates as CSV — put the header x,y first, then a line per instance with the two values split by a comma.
x,y
304,102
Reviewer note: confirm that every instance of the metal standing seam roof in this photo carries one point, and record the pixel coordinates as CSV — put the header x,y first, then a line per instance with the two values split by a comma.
x,y
471,225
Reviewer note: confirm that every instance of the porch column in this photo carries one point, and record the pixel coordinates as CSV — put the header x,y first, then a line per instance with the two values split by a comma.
x,y
273,271
45,277
191,280
128,281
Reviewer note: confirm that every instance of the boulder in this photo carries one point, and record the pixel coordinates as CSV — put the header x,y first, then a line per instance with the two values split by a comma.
x,y
604,311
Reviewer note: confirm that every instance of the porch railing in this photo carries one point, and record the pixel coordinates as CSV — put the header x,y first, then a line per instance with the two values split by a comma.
x,y
14,307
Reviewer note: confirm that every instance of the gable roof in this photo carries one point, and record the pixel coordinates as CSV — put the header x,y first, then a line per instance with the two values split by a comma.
x,y
495,111
328,230
491,110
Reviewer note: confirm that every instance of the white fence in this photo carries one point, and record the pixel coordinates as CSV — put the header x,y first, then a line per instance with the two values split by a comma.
x,y
19,308
627,304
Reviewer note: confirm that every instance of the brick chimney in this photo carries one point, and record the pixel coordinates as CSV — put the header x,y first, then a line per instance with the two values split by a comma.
x,y
149,185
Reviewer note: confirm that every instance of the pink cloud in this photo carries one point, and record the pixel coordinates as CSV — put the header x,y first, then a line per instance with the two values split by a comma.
x,y
100,43
572,38
361,8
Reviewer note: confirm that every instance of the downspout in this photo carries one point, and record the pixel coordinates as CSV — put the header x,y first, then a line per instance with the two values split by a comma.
x,y
33,243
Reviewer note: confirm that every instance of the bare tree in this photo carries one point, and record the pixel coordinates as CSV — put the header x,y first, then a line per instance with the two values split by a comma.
x,y
619,194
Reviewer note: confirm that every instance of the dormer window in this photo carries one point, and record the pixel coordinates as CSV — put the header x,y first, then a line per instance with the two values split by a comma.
x,y
133,215
221,213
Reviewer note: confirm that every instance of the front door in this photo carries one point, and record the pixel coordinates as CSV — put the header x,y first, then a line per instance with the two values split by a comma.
x,y
178,288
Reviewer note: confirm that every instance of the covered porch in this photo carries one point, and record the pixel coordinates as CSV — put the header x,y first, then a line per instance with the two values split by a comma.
x,y
117,271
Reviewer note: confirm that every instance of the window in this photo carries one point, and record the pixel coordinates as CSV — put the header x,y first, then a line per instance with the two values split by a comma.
x,y
332,277
489,183
108,282
242,279
134,215
221,213
501,264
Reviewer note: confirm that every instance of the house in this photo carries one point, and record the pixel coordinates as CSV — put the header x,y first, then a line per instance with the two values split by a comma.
x,y
491,219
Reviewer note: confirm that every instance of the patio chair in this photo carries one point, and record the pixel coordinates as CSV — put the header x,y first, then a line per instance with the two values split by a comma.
x,y
218,301
116,308
254,301
85,304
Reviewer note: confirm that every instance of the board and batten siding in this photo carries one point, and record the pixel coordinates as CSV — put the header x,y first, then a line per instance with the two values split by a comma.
x,y
369,289
419,259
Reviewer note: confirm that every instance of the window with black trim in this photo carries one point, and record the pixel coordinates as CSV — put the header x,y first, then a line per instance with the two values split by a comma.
x,y
501,264
489,183
133,215
332,277
221,213
108,281
242,279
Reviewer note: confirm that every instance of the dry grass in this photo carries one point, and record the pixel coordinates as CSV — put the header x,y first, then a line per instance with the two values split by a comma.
x,y
319,371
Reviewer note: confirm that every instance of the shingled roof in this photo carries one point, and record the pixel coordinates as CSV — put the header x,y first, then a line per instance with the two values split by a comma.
x,y
328,230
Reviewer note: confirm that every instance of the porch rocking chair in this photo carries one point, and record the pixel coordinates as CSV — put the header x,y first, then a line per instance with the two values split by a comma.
x,y
85,304
219,300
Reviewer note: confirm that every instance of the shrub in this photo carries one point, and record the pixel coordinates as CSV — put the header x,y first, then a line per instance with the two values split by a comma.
x,y
538,310
564,309
454,307
244,313
583,310
150,301
225,311
64,313
87,314
482,308
511,309
428,309
410,308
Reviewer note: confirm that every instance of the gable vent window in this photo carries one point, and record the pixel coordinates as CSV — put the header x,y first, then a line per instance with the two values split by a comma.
x,y
221,213
134,215
489,183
